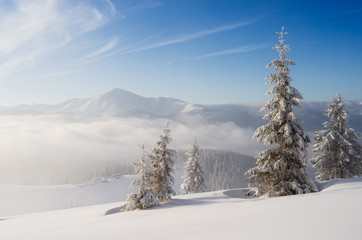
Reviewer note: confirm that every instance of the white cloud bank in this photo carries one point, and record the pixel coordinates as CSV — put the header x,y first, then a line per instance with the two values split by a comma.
x,y
36,145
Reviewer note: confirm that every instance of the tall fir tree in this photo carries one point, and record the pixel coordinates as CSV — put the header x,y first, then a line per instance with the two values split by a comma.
x,y
338,151
193,180
281,169
162,160
144,197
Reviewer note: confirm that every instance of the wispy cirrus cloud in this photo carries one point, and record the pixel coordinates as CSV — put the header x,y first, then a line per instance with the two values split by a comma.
x,y
30,29
15,63
143,5
111,6
193,36
242,49
57,74
99,52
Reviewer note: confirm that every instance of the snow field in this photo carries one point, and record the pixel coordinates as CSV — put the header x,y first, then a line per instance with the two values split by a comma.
x,y
333,213
22,199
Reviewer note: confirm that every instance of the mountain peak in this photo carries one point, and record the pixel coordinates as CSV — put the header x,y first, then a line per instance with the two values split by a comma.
x,y
118,92
120,102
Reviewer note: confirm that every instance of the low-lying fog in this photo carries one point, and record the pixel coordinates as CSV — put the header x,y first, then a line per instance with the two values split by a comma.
x,y
47,149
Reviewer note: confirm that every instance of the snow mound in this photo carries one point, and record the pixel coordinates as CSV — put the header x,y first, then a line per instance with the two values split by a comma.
x,y
340,184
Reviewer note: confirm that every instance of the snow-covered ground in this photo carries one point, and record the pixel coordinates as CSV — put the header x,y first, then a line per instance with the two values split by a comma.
x,y
333,213
24,199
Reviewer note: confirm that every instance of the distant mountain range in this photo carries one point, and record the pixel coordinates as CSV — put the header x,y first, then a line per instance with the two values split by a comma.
x,y
121,103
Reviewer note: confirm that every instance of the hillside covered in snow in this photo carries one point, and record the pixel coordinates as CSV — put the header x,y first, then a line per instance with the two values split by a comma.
x,y
222,170
333,213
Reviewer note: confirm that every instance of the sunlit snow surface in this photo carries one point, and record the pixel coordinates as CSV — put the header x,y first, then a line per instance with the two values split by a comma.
x,y
22,199
333,213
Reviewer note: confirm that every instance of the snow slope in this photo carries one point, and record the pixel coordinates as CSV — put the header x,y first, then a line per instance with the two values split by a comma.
x,y
24,199
333,213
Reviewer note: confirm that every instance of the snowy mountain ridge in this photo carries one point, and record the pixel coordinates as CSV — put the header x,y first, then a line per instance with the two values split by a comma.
x,y
116,102
122,103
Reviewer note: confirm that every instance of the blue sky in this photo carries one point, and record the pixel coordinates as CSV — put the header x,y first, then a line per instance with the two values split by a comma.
x,y
200,51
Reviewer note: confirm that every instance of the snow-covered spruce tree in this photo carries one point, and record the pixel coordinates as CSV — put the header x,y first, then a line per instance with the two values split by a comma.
x,y
281,169
193,180
162,161
338,151
144,197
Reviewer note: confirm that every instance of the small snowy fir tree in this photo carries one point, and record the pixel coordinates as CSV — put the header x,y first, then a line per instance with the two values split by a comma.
x,y
338,151
144,197
281,169
162,161
193,180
